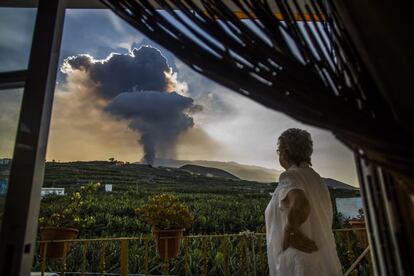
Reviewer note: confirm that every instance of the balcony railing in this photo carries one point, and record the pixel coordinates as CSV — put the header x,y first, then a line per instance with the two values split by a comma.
x,y
227,254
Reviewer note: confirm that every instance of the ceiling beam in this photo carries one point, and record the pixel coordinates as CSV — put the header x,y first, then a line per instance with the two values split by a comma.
x,y
97,4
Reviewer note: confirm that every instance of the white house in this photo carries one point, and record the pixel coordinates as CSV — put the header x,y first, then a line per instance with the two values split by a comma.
x,y
56,191
108,187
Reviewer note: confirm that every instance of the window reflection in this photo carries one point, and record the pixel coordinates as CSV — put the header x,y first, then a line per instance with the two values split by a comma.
x,y
10,101
16,31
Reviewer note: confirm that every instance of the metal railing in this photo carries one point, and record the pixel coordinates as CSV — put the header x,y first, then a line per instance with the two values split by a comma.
x,y
227,254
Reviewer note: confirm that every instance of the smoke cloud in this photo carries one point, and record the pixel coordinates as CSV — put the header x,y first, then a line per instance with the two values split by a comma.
x,y
137,88
159,117
82,130
145,68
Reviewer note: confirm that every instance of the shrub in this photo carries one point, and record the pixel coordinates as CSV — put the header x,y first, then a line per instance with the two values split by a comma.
x,y
165,211
68,214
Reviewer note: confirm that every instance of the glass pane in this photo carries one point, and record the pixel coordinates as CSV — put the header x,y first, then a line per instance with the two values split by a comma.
x,y
16,31
10,101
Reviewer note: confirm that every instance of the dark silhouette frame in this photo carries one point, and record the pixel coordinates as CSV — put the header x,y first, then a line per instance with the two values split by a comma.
x,y
345,89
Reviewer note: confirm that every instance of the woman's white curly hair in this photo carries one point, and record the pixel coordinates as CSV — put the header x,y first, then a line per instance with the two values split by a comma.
x,y
297,146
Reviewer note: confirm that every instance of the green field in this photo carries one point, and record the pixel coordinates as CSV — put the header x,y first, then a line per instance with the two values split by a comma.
x,y
220,206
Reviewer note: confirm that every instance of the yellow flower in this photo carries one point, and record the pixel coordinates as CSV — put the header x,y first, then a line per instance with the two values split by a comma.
x,y
165,211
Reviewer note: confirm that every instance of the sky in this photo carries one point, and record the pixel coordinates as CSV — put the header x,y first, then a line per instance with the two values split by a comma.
x,y
133,105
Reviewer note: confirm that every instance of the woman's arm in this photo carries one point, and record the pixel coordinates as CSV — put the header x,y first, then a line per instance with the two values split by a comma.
x,y
298,212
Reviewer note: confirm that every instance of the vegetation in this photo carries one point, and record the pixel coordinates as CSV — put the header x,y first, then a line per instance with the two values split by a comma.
x,y
68,212
165,212
219,206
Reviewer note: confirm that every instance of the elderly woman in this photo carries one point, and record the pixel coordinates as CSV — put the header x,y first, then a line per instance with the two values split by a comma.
x,y
299,215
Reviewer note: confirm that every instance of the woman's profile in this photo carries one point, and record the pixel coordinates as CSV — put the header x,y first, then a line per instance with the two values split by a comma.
x,y
299,215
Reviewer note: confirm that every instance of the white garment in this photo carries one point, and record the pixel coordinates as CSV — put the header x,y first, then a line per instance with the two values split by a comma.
x,y
318,227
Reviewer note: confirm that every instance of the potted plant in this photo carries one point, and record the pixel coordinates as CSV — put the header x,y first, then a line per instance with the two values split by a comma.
x,y
65,221
168,218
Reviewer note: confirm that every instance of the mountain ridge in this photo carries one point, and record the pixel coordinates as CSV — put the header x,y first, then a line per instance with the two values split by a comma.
x,y
336,184
246,172
242,171
209,172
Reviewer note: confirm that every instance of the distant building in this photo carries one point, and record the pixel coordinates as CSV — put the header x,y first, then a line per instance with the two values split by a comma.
x,y
108,187
5,161
56,191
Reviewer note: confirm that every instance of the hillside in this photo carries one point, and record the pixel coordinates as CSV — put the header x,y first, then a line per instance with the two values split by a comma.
x,y
220,205
209,172
335,184
242,171
187,178
73,174
212,200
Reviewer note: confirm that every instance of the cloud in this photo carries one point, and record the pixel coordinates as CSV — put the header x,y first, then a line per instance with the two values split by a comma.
x,y
97,32
136,89
81,130
215,99
249,131
196,144
144,68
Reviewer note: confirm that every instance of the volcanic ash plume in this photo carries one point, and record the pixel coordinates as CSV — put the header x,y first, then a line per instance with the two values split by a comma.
x,y
135,89
144,68
158,116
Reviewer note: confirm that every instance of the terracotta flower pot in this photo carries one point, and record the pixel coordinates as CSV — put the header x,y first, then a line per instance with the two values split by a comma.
x,y
168,242
361,234
56,249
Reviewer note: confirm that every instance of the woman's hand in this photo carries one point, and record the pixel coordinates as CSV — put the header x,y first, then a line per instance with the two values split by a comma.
x,y
298,240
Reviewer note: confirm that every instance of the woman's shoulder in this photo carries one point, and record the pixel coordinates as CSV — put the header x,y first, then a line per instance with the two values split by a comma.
x,y
291,178
287,178
288,175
